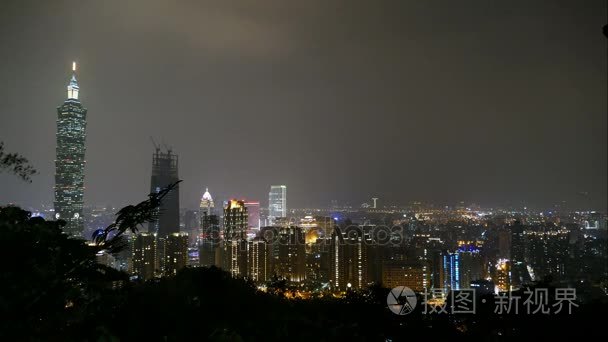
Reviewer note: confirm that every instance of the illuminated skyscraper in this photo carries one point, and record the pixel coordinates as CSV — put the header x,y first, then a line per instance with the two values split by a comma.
x,y
235,220
164,173
337,270
519,275
144,256
460,268
69,163
288,253
209,237
416,275
253,212
518,240
257,260
349,252
277,202
471,265
450,271
317,258
502,275
175,253
207,205
235,230
209,240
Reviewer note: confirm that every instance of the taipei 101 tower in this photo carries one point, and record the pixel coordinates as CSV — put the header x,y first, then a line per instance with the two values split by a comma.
x,y
69,162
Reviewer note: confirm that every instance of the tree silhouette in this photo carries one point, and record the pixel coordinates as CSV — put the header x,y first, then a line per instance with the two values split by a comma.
x,y
54,283
16,164
49,281
130,218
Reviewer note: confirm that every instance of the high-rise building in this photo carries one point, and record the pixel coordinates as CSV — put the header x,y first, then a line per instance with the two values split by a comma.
x,y
277,201
288,253
235,220
502,275
547,252
209,240
253,212
235,257
175,253
257,260
450,271
433,248
517,242
207,205
317,232
69,162
143,264
349,258
191,225
519,270
317,258
416,276
209,236
164,173
504,243
235,230
471,265
337,271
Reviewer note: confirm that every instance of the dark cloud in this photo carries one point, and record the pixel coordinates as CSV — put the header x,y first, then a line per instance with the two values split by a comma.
x,y
481,101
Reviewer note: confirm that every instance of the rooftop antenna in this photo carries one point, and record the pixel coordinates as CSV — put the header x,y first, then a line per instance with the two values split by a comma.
x,y
74,66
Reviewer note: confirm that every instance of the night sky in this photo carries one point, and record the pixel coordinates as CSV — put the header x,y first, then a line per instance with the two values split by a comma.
x,y
492,102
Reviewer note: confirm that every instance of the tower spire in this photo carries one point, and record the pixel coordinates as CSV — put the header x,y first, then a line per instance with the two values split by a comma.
x,y
73,87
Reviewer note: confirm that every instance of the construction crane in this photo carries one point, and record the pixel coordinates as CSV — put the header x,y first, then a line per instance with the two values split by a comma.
x,y
167,147
156,146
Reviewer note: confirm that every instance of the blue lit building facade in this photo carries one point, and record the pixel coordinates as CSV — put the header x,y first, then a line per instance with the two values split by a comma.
x,y
461,268
451,271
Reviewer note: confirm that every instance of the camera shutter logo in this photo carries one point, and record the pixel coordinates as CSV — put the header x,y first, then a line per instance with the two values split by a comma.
x,y
401,300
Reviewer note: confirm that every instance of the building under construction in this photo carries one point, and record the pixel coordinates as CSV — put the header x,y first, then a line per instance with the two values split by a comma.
x,y
164,172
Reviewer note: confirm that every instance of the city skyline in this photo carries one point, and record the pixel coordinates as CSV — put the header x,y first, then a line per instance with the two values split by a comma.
x,y
306,170
401,120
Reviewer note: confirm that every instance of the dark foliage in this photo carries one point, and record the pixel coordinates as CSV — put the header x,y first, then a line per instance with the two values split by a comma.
x,y
49,282
130,218
16,164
